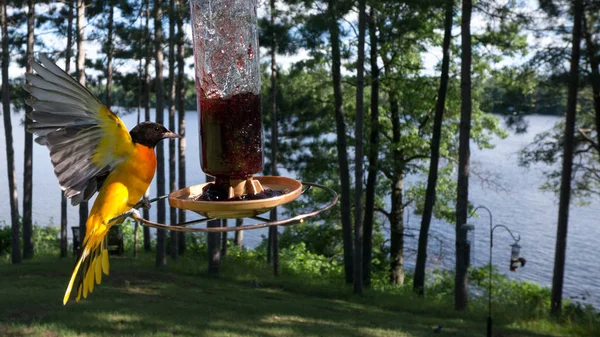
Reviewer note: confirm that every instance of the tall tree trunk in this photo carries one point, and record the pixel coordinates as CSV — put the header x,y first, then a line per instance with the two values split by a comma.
x,y
430,194
334,33
109,55
28,156
63,200
10,154
567,166
181,114
147,38
373,152
239,235
397,211
358,208
273,233
80,67
591,48
462,197
161,244
172,159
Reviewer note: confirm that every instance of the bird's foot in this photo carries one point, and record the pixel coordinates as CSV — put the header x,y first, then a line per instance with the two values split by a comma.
x,y
144,203
133,213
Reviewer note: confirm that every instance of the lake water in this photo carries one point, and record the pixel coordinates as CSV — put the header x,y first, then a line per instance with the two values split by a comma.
x,y
521,206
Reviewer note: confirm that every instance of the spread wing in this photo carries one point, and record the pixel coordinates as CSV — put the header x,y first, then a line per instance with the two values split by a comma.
x,y
86,140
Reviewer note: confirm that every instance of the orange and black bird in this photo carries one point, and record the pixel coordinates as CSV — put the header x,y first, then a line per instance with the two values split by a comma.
x,y
91,151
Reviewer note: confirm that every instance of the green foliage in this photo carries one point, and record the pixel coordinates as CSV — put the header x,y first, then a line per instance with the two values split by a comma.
x,y
127,228
5,239
297,259
513,297
46,240
547,148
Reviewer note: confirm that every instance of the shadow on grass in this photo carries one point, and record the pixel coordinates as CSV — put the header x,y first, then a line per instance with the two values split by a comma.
x,y
136,299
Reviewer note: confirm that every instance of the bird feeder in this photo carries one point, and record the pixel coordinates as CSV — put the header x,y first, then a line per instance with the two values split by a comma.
x,y
515,259
227,72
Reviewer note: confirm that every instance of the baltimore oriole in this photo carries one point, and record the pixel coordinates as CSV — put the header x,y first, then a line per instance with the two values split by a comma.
x,y
91,150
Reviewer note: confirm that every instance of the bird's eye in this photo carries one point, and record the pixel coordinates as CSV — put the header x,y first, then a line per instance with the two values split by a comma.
x,y
156,128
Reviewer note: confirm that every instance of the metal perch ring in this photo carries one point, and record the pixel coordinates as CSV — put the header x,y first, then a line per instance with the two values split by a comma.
x,y
182,227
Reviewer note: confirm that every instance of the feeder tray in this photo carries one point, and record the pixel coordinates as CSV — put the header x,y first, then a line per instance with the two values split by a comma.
x,y
238,208
187,198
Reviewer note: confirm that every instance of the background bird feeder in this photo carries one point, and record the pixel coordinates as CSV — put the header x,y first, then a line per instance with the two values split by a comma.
x,y
515,258
227,71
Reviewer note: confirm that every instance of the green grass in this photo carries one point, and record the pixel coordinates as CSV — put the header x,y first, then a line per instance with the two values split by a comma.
x,y
181,300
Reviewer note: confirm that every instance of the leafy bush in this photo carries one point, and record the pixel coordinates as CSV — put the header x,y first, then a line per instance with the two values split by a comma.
x,y
5,237
46,240
298,259
523,298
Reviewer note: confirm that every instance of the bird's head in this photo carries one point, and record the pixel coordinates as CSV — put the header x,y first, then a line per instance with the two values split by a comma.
x,y
150,133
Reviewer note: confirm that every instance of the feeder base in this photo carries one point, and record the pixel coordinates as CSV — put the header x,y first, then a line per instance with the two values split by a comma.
x,y
186,198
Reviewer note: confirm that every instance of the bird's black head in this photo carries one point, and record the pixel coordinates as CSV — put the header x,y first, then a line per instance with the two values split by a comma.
x,y
150,133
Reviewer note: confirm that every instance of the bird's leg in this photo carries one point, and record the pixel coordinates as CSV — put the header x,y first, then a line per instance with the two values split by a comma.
x,y
144,203
133,213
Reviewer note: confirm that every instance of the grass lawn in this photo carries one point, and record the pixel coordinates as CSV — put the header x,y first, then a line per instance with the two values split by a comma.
x,y
180,300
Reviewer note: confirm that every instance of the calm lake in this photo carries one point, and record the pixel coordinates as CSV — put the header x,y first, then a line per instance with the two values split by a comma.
x,y
520,205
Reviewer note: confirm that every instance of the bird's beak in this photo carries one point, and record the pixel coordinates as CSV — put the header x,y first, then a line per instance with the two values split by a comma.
x,y
171,135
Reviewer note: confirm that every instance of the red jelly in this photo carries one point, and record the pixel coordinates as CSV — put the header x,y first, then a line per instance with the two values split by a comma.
x,y
231,136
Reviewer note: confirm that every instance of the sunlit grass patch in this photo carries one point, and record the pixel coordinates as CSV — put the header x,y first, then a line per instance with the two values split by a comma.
x,y
137,299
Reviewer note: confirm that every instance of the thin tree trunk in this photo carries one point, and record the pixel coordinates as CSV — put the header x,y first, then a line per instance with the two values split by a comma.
x,y
358,209
269,246
397,229
214,251
397,186
224,242
161,244
28,248
10,154
273,232
63,226
213,243
430,194
462,198
80,67
342,145
373,153
239,235
139,120
591,48
146,212
69,51
567,166
181,114
109,55
172,159
63,200
80,64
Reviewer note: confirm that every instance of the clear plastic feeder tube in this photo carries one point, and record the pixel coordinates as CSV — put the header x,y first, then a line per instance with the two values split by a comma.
x,y
227,65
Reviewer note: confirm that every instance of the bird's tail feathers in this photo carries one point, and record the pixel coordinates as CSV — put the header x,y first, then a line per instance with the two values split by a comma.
x,y
92,262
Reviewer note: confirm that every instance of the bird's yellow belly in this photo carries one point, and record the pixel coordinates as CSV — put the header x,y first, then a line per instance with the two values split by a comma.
x,y
123,188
